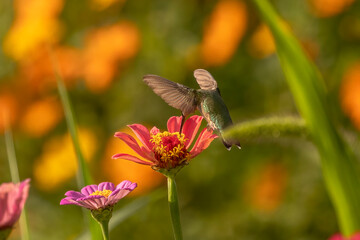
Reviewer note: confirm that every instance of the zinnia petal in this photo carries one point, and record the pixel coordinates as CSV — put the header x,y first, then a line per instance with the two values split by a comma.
x,y
143,134
154,131
106,186
89,189
174,124
130,158
131,142
203,141
12,201
119,194
190,128
74,194
126,185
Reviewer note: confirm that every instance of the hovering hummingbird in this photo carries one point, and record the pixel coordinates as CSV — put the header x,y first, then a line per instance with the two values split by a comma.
x,y
207,100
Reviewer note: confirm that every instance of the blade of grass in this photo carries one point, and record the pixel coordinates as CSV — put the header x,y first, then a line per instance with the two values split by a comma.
x,y
338,163
83,176
14,172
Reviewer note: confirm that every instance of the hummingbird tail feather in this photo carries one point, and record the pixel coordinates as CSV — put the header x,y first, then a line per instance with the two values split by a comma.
x,y
228,143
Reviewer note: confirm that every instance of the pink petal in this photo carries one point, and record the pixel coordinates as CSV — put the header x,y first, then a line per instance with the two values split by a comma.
x,y
154,131
126,184
190,128
89,189
74,194
106,186
12,201
174,124
131,158
143,134
131,142
93,202
203,141
118,194
356,236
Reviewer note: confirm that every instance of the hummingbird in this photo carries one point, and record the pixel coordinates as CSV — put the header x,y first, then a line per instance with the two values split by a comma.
x,y
207,100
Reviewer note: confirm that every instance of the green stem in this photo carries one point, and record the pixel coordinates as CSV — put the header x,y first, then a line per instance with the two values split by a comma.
x,y
268,127
102,217
174,207
105,229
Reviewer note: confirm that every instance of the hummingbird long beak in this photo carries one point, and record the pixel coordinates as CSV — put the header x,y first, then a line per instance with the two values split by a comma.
x,y
182,122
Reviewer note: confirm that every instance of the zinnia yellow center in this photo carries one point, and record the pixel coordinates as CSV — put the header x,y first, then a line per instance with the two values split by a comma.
x,y
104,193
169,149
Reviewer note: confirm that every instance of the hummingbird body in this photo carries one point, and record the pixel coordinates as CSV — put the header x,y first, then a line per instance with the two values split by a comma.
x,y
207,100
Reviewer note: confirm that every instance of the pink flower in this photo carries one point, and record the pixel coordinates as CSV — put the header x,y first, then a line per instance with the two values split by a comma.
x,y
169,149
338,236
95,197
12,200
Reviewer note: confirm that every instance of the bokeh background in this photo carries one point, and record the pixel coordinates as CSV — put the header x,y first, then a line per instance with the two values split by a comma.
x,y
270,189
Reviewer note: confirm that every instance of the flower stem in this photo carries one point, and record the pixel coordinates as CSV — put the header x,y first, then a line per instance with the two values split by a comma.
x,y
174,207
103,216
105,229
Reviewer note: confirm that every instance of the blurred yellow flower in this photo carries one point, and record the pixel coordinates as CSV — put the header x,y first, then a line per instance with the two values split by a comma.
x,y
105,48
265,188
8,110
102,4
262,42
35,24
117,170
350,93
223,32
41,116
329,8
57,163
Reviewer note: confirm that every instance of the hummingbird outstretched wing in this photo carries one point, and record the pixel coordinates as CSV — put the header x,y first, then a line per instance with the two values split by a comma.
x,y
205,80
174,94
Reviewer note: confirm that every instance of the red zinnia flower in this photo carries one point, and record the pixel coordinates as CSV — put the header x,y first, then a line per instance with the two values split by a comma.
x,y
169,149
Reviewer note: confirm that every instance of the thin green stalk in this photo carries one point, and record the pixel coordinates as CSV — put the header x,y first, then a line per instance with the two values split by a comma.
x,y
174,207
273,127
14,172
83,177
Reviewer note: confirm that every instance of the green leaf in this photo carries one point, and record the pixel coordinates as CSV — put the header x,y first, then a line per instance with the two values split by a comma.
x,y
306,84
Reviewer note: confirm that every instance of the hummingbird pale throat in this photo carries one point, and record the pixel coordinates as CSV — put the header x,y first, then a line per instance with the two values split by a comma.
x,y
207,100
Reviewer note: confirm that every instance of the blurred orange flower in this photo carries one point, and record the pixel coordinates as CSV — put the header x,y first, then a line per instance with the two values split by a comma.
x,y
116,170
223,32
349,93
265,188
8,110
105,48
262,42
41,116
57,163
329,8
35,24
38,70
